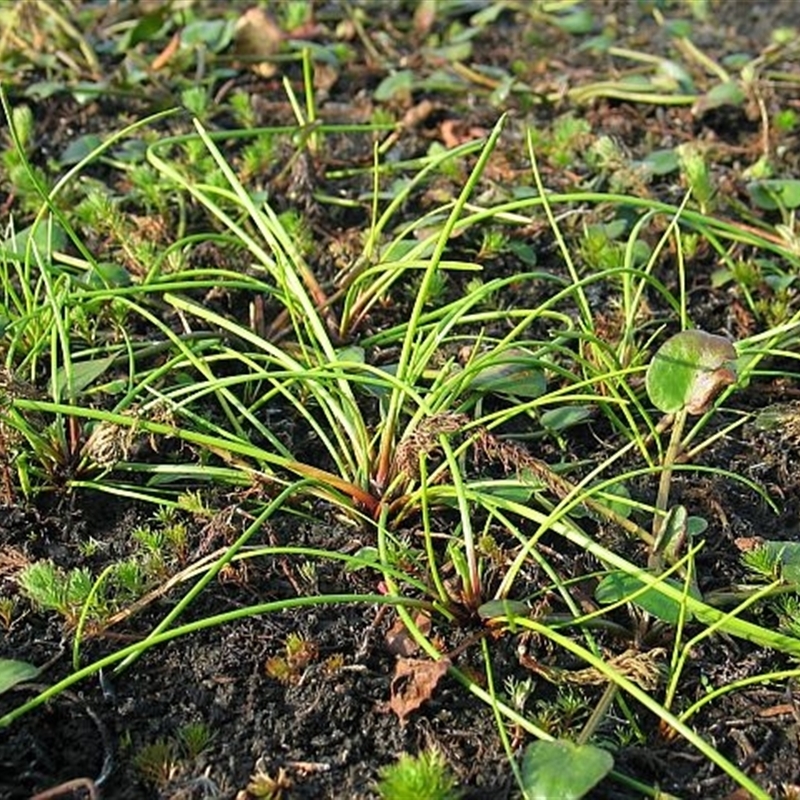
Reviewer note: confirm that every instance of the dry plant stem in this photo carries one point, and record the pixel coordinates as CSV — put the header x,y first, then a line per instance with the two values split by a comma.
x,y
69,789
562,488
664,483
185,574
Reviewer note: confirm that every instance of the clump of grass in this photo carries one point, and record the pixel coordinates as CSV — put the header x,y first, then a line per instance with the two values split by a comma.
x,y
273,383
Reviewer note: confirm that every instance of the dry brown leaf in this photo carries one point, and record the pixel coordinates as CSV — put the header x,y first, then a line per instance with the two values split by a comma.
x,y
165,56
454,132
424,17
258,37
399,641
414,682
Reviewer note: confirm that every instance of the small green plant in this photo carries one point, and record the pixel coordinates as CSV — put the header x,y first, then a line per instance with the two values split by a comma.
x,y
684,377
19,176
8,605
264,787
696,175
288,667
157,762
50,588
568,137
493,243
194,738
165,759
787,609
422,777
562,714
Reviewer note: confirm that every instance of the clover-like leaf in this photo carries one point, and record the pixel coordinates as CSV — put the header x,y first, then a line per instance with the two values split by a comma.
x,y
563,769
689,371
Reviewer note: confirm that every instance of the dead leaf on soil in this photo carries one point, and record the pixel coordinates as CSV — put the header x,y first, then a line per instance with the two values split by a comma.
x,y
165,56
424,17
258,37
454,132
414,682
399,641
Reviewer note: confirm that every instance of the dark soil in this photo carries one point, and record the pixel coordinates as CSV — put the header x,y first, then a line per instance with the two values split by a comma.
x,y
327,729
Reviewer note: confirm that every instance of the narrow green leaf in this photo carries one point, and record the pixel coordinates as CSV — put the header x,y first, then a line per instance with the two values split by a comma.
x,y
84,373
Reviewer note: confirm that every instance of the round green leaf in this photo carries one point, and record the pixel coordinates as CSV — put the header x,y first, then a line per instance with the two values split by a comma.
x,y
689,370
563,769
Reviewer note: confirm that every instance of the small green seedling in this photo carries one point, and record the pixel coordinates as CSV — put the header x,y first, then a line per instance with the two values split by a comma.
x,y
685,376
422,777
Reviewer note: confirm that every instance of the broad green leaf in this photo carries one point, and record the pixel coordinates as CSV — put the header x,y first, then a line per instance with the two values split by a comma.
x,y
678,27
84,373
619,585
775,193
400,82
788,555
524,252
41,90
352,354
662,162
671,75
145,29
778,416
46,239
79,148
216,34
673,530
503,608
107,276
578,21
14,672
562,769
723,94
509,490
695,526
512,372
621,507
452,51
689,370
367,554
559,419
